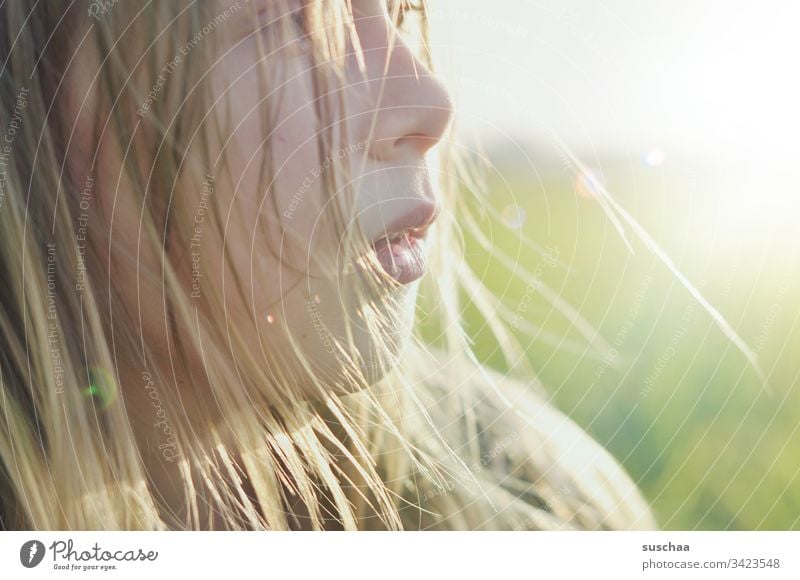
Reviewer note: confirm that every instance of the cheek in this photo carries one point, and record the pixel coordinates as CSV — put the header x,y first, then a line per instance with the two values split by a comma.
x,y
281,240
279,178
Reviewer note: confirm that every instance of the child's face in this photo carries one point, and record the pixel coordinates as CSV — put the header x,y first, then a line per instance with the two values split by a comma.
x,y
281,242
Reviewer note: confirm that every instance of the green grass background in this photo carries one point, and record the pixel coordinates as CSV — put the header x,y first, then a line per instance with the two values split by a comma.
x,y
709,446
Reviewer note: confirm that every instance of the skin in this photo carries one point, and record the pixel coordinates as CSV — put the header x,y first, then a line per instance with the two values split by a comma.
x,y
410,110
394,107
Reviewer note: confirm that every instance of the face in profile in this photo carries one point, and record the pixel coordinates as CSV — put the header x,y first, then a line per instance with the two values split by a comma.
x,y
307,233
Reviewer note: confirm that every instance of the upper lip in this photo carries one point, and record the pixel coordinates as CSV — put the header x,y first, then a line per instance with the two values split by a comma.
x,y
415,222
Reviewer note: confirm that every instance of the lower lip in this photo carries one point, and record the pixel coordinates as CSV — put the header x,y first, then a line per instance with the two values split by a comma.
x,y
402,259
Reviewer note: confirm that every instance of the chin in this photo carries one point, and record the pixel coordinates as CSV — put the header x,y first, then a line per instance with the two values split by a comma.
x,y
373,367
397,341
378,356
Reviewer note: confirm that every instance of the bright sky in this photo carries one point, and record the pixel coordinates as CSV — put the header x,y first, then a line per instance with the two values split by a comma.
x,y
680,76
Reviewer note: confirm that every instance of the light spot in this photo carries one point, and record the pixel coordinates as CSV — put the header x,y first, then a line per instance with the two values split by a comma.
x,y
588,184
514,216
654,158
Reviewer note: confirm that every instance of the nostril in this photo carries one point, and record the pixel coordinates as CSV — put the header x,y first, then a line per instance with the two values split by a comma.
x,y
414,111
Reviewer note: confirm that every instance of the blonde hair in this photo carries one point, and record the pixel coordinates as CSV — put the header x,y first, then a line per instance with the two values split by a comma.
x,y
442,442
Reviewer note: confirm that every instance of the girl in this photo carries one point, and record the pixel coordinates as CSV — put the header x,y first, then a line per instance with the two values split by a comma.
x,y
230,279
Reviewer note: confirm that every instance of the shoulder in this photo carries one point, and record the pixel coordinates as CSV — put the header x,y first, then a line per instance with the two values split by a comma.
x,y
533,453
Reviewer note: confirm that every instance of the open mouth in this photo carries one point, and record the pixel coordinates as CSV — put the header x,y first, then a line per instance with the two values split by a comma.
x,y
400,248
402,257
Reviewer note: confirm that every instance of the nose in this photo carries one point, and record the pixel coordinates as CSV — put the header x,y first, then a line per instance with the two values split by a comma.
x,y
413,108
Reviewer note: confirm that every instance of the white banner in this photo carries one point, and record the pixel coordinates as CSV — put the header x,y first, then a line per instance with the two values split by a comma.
x,y
382,555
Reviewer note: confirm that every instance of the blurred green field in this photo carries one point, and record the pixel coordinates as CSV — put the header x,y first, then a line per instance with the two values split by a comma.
x,y
679,405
